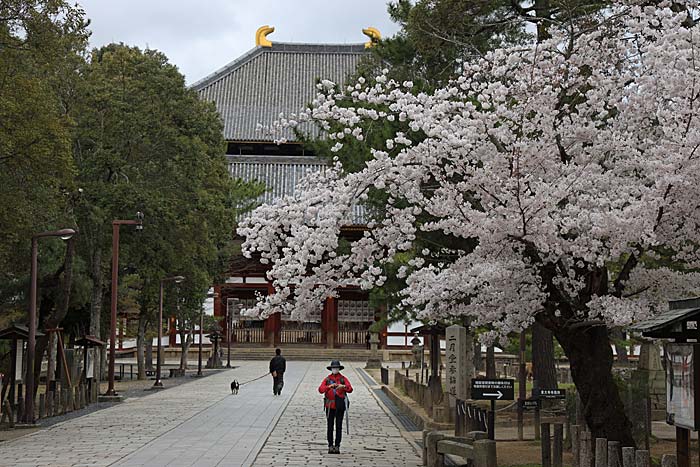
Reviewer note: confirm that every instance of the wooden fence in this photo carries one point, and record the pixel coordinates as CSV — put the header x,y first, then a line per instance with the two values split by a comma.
x,y
598,452
469,417
58,402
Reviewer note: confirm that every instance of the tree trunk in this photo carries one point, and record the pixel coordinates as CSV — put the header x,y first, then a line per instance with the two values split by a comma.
x,y
490,362
55,313
96,304
543,369
590,356
185,341
148,349
478,362
619,336
140,343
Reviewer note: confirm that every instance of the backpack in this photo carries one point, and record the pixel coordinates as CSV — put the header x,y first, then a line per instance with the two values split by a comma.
x,y
327,401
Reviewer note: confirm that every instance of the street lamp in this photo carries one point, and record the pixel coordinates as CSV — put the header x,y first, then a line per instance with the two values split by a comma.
x,y
201,333
177,280
138,222
65,234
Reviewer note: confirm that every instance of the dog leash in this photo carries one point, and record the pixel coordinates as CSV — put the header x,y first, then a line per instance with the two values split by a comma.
x,y
259,377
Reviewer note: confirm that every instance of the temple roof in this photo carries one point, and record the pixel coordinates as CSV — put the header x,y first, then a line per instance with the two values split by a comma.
x,y
268,81
281,174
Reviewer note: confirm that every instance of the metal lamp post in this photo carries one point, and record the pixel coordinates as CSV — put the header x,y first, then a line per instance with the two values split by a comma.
x,y
177,280
65,234
138,222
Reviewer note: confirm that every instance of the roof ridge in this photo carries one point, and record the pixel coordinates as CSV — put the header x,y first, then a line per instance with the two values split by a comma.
x,y
352,48
227,68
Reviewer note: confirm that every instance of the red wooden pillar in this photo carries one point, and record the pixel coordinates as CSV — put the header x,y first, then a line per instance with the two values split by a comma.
x,y
273,324
330,323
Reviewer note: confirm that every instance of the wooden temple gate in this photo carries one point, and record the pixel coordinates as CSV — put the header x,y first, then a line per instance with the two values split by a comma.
x,y
343,322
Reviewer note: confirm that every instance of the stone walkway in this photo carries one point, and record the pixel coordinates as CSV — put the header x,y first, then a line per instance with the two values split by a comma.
x,y
201,424
299,439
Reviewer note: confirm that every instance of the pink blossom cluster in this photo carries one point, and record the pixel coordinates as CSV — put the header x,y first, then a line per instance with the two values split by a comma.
x,y
575,155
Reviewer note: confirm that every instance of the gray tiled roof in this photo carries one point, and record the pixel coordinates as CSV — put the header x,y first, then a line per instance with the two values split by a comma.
x,y
267,81
281,174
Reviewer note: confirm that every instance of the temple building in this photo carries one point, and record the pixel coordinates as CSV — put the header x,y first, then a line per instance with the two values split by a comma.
x,y
271,79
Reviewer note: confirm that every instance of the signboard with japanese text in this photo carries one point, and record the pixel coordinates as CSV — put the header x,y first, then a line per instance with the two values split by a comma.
x,y
493,389
681,374
455,366
549,393
529,404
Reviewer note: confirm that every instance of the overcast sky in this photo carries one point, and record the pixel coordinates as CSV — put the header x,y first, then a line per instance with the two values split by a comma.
x,y
202,36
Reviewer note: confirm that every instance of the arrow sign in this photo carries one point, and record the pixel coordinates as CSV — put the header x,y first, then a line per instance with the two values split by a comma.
x,y
493,389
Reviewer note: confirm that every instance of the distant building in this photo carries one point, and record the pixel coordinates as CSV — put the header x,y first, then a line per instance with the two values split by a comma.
x,y
269,80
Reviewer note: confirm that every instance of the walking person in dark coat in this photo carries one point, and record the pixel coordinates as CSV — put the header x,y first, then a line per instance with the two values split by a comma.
x,y
335,388
278,365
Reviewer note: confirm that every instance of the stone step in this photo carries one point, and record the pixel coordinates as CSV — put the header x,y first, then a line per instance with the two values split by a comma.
x,y
306,354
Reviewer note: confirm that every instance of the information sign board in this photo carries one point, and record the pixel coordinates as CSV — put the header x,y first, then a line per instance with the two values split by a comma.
x,y
681,373
493,389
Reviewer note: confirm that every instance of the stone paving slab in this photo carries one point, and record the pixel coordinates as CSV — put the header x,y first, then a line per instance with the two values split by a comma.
x,y
299,439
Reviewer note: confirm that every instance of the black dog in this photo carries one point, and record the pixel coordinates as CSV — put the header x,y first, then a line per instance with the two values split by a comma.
x,y
234,387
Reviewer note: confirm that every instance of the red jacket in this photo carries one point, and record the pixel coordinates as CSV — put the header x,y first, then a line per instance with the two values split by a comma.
x,y
331,393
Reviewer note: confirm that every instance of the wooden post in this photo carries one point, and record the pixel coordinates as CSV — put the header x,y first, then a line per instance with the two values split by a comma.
x,y
49,404
63,358
642,458
435,459
20,410
614,454
586,454
538,419
669,460
601,452
546,446
8,410
683,447
51,362
628,457
558,449
57,401
42,406
521,386
576,445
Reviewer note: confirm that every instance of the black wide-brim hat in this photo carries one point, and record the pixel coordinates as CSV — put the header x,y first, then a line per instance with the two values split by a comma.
x,y
335,364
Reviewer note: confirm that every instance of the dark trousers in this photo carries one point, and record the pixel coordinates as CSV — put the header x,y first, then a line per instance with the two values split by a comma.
x,y
335,419
277,383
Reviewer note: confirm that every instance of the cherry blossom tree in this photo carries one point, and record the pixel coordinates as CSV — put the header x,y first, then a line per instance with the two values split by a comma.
x,y
566,170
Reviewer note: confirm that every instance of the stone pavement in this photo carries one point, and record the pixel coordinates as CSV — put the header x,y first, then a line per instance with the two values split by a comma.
x,y
201,424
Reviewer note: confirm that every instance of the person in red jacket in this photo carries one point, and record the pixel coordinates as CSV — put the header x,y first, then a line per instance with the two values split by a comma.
x,y
334,389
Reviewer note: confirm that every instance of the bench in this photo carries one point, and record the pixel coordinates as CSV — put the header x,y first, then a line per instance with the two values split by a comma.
x,y
475,448
175,372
